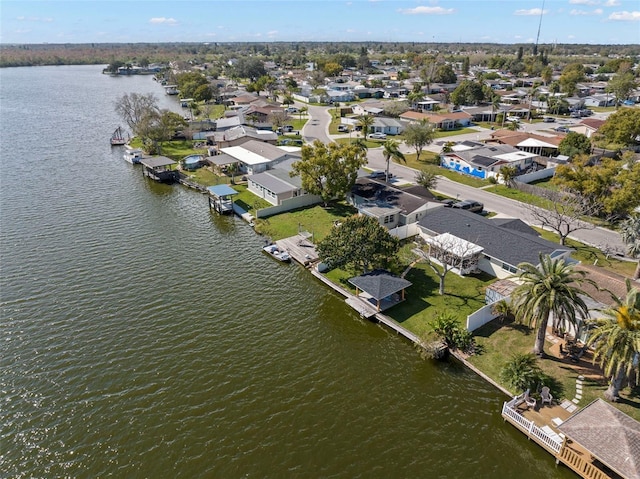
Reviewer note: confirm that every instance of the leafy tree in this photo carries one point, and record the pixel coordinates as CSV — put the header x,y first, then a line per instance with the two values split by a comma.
x,y
465,66
444,74
574,144
427,179
548,289
616,341
203,93
571,75
447,327
249,67
621,85
521,372
509,174
390,151
418,135
360,242
332,69
630,234
622,127
189,82
547,75
328,170
467,93
136,108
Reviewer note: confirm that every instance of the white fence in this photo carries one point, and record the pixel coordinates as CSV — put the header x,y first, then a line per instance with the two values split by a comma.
x,y
536,175
288,205
480,317
404,231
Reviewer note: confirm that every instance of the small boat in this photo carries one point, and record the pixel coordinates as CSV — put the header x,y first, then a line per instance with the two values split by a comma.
x,y
117,138
133,156
275,252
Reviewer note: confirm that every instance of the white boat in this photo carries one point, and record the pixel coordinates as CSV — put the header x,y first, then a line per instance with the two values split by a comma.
x,y
117,138
275,252
133,156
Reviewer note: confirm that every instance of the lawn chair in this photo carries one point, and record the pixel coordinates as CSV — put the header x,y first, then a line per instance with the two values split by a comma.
x,y
545,396
528,400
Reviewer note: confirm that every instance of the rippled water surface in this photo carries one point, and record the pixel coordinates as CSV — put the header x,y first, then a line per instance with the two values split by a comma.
x,y
143,336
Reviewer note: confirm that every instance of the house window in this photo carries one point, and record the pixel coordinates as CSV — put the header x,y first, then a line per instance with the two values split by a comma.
x,y
389,219
509,268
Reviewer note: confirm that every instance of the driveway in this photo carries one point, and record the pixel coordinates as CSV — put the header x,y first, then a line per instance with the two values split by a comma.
x,y
318,128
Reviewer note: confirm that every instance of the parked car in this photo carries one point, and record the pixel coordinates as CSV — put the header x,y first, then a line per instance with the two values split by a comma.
x,y
469,205
379,175
548,119
287,128
343,128
377,136
585,113
562,129
448,203
291,109
513,118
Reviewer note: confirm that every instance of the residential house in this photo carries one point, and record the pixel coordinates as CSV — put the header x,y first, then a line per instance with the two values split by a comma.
x,y
504,244
238,135
600,100
443,121
368,108
588,126
485,161
392,207
529,142
388,126
256,156
427,104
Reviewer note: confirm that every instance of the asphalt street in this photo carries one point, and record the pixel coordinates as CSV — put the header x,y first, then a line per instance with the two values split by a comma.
x,y
318,128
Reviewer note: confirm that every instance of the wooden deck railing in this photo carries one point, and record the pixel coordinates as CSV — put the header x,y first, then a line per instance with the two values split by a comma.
x,y
584,468
530,429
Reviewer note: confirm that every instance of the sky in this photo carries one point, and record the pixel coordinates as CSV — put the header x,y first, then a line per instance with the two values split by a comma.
x,y
449,21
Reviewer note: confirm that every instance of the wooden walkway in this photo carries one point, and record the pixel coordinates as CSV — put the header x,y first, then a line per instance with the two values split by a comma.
x,y
300,249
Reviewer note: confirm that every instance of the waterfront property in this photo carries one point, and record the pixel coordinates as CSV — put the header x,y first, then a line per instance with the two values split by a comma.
x,y
221,198
159,168
380,289
597,442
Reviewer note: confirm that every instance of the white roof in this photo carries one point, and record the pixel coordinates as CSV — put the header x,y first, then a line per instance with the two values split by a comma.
x,y
515,156
245,156
535,142
459,247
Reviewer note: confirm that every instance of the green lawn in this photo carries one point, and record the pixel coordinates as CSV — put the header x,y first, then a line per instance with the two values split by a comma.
x,y
497,342
315,219
518,195
462,297
461,131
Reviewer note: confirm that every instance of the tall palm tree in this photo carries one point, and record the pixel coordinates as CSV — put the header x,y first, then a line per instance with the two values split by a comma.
x,y
616,341
390,150
551,288
630,234
514,125
365,122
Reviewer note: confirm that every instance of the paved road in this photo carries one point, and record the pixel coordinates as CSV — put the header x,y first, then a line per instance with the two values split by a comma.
x,y
318,128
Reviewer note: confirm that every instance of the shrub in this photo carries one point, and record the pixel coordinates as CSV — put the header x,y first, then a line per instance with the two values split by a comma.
x,y
522,372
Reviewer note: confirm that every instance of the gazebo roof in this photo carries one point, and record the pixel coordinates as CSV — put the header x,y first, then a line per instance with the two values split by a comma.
x,y
157,161
379,283
609,435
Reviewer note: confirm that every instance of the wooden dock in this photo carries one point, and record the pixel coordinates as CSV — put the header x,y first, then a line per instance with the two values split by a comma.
x,y
300,249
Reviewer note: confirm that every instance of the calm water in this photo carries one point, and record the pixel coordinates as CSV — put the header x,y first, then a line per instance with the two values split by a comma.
x,y
142,336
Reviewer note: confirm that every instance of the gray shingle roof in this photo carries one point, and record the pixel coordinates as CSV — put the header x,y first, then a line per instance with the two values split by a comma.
x,y
272,183
157,161
379,283
508,245
380,193
609,435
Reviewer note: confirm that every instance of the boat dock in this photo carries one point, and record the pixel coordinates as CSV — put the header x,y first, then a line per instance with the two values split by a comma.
x,y
300,249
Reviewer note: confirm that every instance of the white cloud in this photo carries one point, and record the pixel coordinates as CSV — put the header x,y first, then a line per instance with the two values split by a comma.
x,y
272,33
625,16
612,3
163,21
571,36
422,10
597,11
530,12
584,2
35,19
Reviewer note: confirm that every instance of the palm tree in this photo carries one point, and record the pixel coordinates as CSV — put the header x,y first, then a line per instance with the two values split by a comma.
x,y
616,341
513,125
630,234
390,150
550,289
365,122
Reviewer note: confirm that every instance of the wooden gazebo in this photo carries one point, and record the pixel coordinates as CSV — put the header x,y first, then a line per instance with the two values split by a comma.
x,y
382,287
